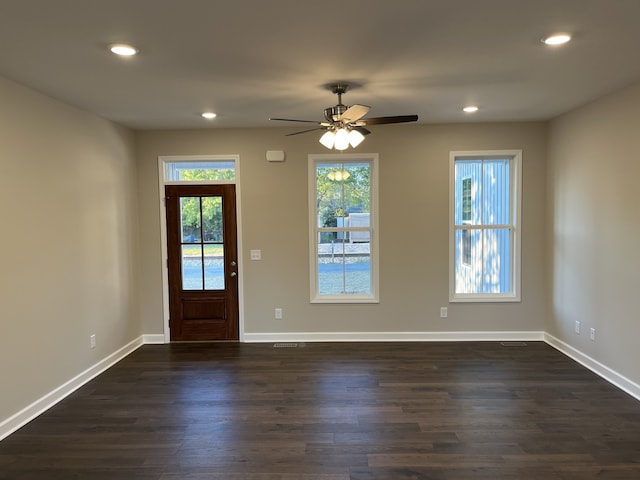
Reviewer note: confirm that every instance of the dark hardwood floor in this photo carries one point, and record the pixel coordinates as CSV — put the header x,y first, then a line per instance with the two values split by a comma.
x,y
340,411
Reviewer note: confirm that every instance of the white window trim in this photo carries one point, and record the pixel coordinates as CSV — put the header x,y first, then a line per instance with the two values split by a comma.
x,y
314,159
516,216
162,181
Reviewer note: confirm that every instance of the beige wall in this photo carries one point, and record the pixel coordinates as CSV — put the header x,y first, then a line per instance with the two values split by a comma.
x,y
414,173
68,243
80,198
594,230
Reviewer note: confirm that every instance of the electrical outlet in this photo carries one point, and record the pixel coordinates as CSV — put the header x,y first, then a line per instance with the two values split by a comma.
x,y
592,334
444,312
576,327
92,341
278,314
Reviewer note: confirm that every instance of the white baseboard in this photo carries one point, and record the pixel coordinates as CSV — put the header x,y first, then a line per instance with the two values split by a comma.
x,y
391,337
153,339
30,412
595,366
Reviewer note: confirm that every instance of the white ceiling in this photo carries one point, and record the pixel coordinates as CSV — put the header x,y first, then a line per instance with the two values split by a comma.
x,y
249,60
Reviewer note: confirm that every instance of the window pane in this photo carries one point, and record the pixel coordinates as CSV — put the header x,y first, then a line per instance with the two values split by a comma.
x,y
358,274
214,267
190,219
200,170
356,188
330,195
497,261
344,275
343,268
191,267
212,219
328,248
496,192
468,261
342,189
468,192
483,261
330,264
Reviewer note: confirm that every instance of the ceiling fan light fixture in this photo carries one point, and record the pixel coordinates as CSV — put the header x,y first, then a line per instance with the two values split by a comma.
x,y
328,139
342,139
355,138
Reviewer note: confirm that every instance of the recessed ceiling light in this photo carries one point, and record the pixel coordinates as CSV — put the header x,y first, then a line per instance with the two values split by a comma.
x,y
123,49
209,115
470,109
556,39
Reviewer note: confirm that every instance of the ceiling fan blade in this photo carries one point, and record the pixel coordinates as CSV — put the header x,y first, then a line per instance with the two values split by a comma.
x,y
396,119
292,120
362,130
304,131
354,112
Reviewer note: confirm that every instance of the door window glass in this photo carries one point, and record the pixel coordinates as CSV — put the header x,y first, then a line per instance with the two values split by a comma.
x,y
191,267
202,243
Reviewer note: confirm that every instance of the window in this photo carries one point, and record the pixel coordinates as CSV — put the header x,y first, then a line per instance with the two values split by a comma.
x,y
485,231
343,220
199,169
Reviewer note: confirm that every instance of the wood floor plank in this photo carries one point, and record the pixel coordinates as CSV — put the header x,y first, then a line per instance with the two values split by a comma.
x,y
347,411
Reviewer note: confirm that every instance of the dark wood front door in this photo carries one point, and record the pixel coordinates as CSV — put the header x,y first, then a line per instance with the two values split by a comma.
x,y
203,262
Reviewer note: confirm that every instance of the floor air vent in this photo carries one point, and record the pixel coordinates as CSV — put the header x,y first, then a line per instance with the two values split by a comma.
x,y
513,344
285,345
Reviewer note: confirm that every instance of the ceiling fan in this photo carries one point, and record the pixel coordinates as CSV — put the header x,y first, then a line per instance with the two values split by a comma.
x,y
344,125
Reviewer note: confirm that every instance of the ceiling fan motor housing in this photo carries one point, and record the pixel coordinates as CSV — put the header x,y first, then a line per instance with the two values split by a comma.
x,y
332,114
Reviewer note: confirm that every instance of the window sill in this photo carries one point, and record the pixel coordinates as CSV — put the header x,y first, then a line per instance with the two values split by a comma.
x,y
485,299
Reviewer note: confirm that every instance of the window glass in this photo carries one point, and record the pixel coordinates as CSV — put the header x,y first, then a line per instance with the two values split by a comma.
x,y
191,267
185,171
344,262
485,235
202,243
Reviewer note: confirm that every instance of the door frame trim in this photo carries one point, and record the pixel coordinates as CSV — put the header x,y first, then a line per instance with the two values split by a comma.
x,y
162,161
